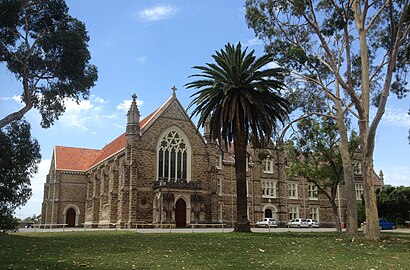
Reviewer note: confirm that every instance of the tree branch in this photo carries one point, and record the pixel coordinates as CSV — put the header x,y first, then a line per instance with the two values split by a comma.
x,y
282,135
16,115
332,68
389,74
374,18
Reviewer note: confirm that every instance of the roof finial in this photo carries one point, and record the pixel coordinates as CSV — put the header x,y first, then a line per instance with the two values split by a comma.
x,y
174,89
134,97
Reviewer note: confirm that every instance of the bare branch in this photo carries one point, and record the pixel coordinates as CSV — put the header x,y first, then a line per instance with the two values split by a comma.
x,y
393,53
382,64
282,135
376,16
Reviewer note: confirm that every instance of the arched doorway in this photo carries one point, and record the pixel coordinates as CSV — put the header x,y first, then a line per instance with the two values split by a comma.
x,y
180,214
268,213
70,217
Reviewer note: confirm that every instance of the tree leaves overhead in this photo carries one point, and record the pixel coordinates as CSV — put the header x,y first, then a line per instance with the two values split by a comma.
x,y
47,51
288,29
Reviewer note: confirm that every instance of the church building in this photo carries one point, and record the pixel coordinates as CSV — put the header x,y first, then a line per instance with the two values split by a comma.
x,y
162,171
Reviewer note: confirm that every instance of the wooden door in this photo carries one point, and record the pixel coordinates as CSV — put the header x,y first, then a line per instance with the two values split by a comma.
x,y
70,217
268,213
180,214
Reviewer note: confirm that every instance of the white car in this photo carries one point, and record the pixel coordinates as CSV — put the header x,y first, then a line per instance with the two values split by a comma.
x,y
267,222
298,223
313,223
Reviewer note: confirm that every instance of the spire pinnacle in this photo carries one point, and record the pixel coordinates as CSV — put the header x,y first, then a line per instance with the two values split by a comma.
x,y
133,115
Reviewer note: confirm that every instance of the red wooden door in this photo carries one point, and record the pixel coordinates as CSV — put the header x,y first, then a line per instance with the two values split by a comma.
x,y
180,214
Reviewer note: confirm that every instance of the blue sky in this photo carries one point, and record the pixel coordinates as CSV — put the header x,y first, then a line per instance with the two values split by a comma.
x,y
146,47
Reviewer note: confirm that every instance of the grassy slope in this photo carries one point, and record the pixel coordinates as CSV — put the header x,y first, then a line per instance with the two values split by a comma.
x,y
130,250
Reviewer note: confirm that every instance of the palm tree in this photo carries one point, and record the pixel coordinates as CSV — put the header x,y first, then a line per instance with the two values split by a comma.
x,y
240,97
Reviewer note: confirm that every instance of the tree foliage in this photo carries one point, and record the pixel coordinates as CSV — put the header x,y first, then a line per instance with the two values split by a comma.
x,y
314,154
240,95
351,54
46,49
394,203
19,156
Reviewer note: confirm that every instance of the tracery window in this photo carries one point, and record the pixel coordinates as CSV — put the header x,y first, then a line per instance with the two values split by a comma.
x,y
172,157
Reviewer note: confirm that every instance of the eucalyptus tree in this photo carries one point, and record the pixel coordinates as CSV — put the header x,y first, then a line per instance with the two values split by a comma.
x,y
240,95
314,155
46,49
19,156
350,54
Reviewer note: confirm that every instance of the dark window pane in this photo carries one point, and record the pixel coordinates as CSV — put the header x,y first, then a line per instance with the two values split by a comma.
x,y
184,161
173,163
161,163
166,167
179,173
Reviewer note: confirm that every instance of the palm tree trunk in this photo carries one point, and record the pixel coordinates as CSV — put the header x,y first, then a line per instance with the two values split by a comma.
x,y
240,143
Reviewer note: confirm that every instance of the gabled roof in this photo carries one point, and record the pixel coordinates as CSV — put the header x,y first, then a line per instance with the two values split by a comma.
x,y
167,104
110,149
81,159
72,158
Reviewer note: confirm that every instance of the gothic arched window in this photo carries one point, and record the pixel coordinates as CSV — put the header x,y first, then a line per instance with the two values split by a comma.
x,y
172,157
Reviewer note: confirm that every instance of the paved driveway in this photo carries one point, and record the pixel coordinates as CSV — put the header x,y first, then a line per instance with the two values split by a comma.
x,y
207,230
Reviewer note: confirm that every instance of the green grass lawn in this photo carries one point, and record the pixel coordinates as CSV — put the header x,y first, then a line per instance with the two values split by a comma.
x,y
131,250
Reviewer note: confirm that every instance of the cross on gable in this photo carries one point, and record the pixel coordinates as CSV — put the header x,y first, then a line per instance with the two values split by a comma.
x,y
174,89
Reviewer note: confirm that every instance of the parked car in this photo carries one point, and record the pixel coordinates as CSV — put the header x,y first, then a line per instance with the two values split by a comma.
x,y
267,222
313,223
298,223
386,225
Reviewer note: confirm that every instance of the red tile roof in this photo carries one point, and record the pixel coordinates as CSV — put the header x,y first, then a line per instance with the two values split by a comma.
x,y
110,149
81,159
71,158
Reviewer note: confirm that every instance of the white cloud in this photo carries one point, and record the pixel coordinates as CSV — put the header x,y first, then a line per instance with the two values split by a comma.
x,y
83,105
252,42
125,104
396,117
110,116
98,99
33,206
119,126
141,59
75,120
84,114
15,98
157,13
270,65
